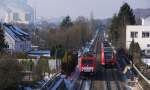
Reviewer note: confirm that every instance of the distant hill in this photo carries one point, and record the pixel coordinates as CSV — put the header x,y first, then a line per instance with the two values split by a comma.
x,y
142,12
139,13
57,20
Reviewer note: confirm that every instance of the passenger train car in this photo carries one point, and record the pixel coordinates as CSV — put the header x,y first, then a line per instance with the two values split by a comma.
x,y
108,57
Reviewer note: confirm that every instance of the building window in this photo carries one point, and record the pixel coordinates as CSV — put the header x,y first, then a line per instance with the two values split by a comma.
x,y
16,16
145,34
148,45
134,34
148,51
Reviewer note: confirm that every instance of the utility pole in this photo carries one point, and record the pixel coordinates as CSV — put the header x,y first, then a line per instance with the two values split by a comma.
x,y
35,30
91,21
56,58
67,51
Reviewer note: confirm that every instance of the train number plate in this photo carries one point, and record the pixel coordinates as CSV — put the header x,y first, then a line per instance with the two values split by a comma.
x,y
87,69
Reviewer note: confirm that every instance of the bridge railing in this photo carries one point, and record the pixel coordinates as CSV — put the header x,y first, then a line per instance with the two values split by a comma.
x,y
142,79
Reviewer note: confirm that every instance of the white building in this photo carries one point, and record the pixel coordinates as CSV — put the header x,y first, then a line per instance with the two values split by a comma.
x,y
16,11
146,21
140,34
17,40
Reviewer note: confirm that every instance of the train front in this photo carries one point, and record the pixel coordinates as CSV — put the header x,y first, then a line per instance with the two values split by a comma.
x,y
87,65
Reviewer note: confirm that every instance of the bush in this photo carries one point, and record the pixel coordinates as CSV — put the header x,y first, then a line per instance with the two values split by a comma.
x,y
135,52
10,73
40,69
69,63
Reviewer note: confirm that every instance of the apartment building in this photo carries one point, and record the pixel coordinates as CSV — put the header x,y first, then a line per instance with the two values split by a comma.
x,y
140,34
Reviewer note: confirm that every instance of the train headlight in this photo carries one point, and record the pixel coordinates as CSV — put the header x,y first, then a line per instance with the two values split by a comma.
x,y
81,68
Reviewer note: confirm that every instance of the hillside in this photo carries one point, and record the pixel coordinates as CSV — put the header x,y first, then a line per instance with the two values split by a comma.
x,y
142,12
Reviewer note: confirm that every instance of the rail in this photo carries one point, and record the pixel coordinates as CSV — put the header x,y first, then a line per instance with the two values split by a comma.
x,y
91,85
108,85
81,85
86,85
57,74
116,80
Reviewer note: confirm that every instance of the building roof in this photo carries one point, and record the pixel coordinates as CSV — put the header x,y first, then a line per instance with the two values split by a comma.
x,y
36,53
146,17
16,33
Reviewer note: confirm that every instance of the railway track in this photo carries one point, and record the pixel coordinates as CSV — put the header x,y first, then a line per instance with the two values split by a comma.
x,y
108,84
112,80
114,75
86,85
104,79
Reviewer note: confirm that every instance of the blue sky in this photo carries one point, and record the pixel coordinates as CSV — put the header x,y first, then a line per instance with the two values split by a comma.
x,y
100,8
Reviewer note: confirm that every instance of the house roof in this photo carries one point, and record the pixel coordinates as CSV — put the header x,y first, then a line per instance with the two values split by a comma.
x,y
16,33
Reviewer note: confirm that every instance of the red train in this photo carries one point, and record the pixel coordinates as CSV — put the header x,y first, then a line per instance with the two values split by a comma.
x,y
87,64
108,57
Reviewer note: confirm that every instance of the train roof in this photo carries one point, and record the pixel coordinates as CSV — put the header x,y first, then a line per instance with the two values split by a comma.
x,y
106,44
89,54
88,57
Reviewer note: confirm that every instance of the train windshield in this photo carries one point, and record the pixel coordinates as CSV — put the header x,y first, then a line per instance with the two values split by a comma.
x,y
108,55
108,49
85,62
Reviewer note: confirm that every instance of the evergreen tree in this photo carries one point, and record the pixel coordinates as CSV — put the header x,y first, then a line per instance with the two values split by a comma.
x,y
113,33
118,27
2,40
126,17
53,49
135,52
66,22
131,48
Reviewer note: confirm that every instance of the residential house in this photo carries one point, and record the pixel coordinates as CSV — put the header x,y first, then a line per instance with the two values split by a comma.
x,y
17,39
